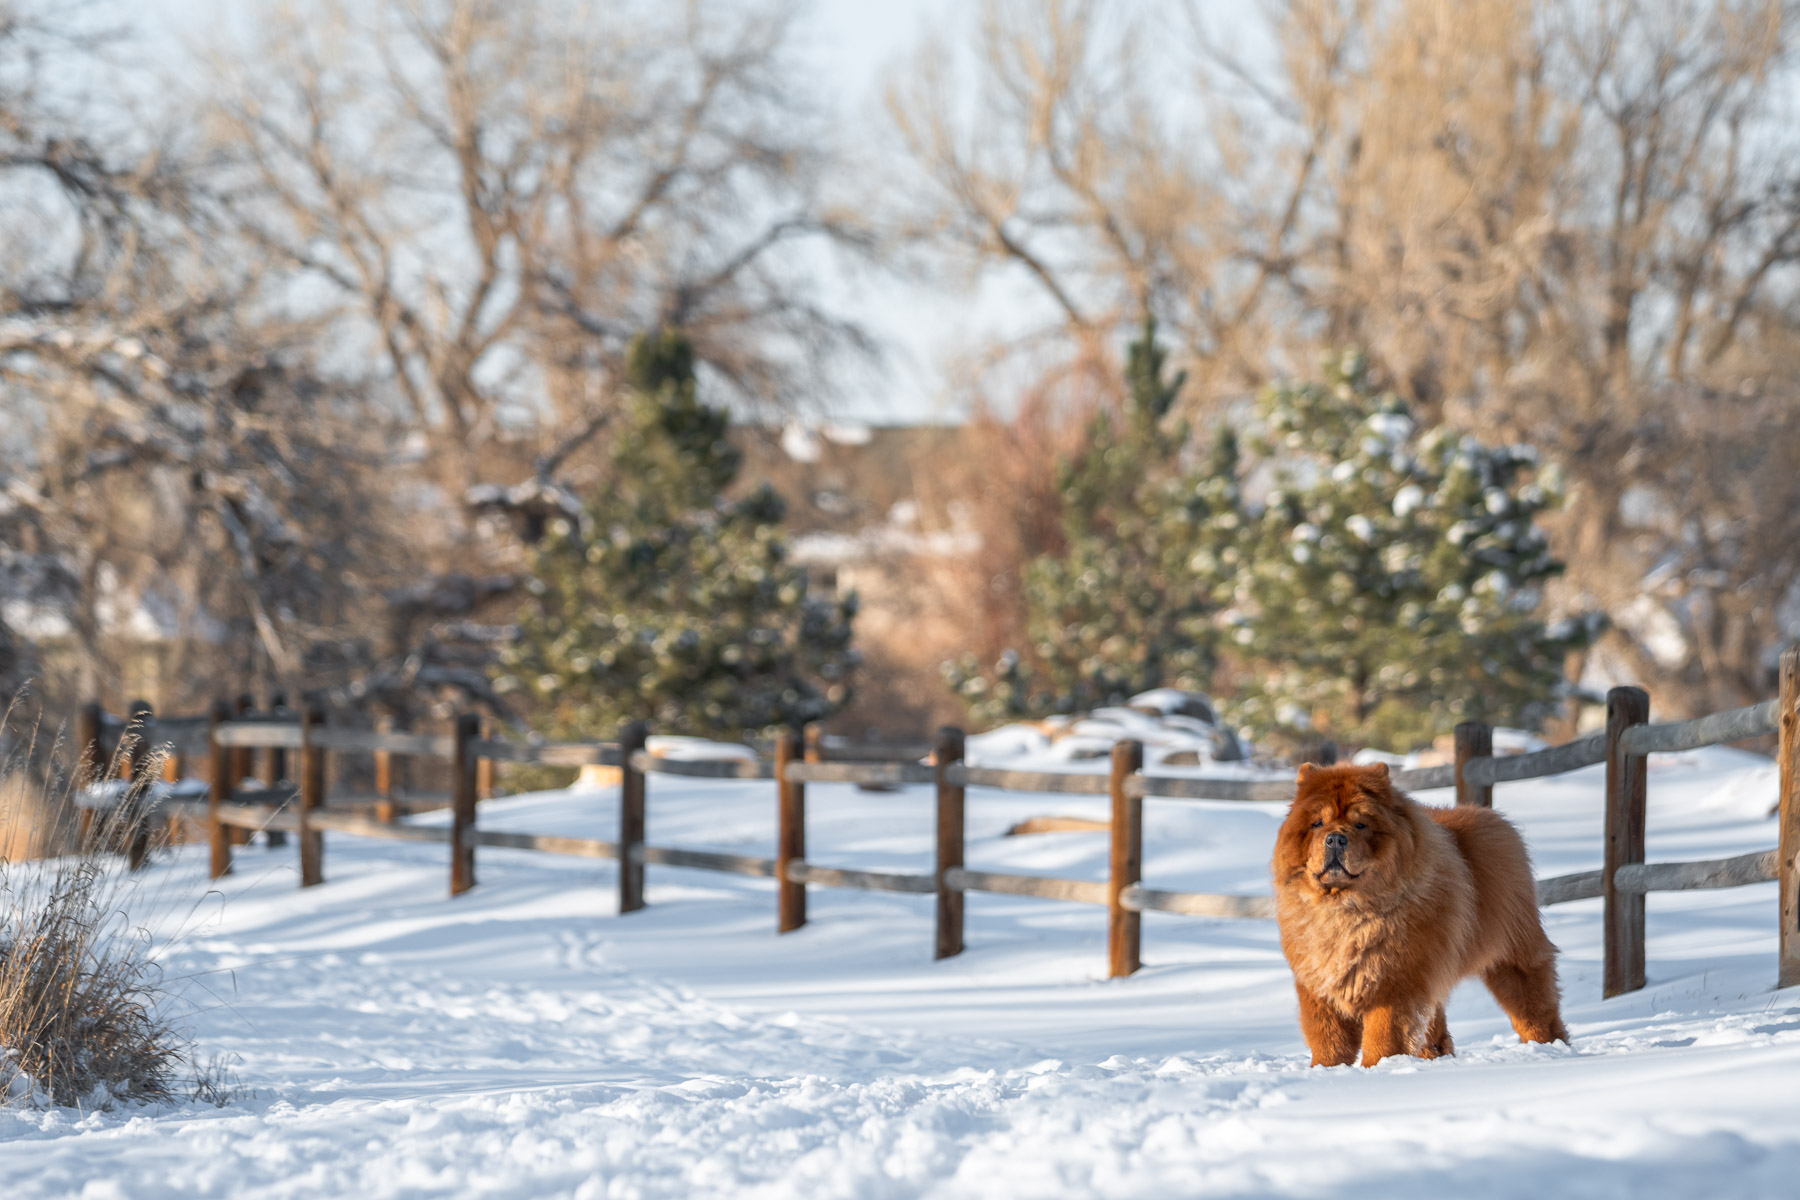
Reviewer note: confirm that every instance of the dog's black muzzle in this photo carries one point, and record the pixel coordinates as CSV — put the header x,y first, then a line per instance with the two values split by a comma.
x,y
1335,846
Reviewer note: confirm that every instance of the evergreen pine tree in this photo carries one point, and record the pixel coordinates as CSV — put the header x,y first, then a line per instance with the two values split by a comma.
x,y
1117,611
669,601
1389,586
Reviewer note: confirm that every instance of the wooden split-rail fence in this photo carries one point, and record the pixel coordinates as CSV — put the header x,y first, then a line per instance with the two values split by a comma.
x,y
298,806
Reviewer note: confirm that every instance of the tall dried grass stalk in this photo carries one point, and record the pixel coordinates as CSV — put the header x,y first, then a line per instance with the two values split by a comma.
x,y
79,992
83,1002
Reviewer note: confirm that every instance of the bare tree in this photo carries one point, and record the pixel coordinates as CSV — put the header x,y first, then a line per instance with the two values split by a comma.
x,y
1049,163
497,196
1576,223
174,458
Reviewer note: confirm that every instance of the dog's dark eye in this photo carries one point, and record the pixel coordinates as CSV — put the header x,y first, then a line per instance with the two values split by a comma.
x,y
1360,825
1316,824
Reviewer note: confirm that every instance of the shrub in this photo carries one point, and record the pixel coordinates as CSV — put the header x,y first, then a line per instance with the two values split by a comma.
x,y
670,600
83,1005
1391,583
79,1018
1115,609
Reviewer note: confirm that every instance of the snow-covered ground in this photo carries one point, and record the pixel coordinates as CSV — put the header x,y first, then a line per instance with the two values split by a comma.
x,y
524,1040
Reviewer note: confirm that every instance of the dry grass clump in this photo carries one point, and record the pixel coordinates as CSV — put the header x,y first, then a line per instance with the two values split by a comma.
x,y
79,1019
83,1001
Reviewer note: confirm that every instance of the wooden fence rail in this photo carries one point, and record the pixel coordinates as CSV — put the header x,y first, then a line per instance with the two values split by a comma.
x,y
730,768
1570,756
704,860
1043,887
1735,725
802,872
1139,898
278,805
1029,781
1246,791
1562,889
367,741
243,735
888,774
1756,867
551,754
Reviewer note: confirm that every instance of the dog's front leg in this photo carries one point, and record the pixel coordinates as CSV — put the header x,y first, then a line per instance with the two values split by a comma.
x,y
1389,1031
1330,1035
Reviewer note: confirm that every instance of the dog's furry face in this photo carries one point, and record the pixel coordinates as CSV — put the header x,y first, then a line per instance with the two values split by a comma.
x,y
1346,833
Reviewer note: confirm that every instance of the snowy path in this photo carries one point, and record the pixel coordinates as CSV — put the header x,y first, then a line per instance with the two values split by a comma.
x,y
525,1041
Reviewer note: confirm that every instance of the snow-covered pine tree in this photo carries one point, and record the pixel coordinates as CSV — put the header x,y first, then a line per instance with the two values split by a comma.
x,y
1389,587
669,601
1117,611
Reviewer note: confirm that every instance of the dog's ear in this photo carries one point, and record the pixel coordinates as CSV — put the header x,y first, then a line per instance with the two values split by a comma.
x,y
1378,781
1305,770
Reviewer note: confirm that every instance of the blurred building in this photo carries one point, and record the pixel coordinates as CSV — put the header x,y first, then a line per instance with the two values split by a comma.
x,y
863,517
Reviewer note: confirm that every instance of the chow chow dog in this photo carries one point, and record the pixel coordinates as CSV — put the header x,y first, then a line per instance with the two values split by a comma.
x,y
1385,905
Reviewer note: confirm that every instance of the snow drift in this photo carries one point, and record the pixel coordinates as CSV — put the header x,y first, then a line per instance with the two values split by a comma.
x,y
524,1040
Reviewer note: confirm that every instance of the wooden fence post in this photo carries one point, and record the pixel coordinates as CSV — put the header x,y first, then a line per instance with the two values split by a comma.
x,y
243,765
90,758
950,803
462,796
384,774
790,834
218,790
275,770
174,770
632,737
1788,858
1626,793
134,828
1474,739
484,773
90,766
1123,927
815,742
243,757
312,798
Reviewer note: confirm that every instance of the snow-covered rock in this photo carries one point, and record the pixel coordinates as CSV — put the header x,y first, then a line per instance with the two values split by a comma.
x,y
1175,702
1176,727
997,747
696,749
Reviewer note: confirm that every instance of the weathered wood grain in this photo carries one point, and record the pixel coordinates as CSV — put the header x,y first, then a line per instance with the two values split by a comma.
x,y
800,871
1044,887
886,773
951,802
1623,920
1570,756
706,860
1124,927
1198,904
1733,725
1638,878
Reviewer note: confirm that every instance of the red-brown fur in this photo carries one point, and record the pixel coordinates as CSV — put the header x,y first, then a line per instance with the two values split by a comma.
x,y
1424,897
